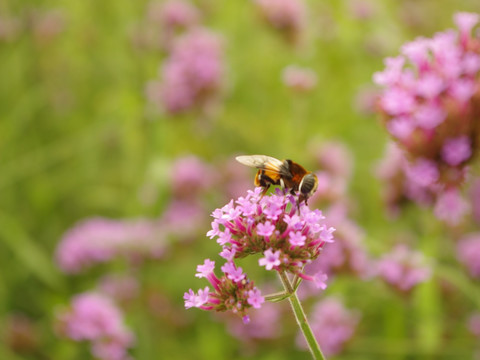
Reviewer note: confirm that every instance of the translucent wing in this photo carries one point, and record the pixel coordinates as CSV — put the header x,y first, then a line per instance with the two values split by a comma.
x,y
261,162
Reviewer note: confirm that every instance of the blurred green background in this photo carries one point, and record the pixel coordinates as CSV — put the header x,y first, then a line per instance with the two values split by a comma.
x,y
78,138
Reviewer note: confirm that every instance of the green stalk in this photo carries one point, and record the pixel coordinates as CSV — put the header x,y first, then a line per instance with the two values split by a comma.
x,y
301,318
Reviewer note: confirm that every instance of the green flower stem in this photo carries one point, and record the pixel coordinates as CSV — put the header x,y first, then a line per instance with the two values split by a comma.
x,y
301,318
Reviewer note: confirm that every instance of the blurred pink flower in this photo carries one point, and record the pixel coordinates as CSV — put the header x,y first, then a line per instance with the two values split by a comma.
x,y
95,318
451,207
170,18
348,253
403,268
121,288
468,253
332,324
299,79
474,324
264,324
47,24
190,176
192,77
335,157
431,100
287,16
362,9
99,240
173,219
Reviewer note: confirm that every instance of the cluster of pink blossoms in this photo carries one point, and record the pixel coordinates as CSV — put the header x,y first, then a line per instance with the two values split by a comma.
x,y
100,240
192,76
288,236
95,318
431,104
403,268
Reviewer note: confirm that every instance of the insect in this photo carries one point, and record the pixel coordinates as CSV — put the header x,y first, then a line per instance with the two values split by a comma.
x,y
287,173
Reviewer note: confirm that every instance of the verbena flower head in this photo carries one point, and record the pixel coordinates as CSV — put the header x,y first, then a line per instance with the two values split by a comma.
x,y
288,237
233,291
468,253
403,268
431,103
286,234
193,74
333,325
95,318
100,240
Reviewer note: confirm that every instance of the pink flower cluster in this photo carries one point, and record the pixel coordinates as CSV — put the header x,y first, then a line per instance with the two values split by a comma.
x,y
401,184
95,318
231,292
288,234
192,75
403,268
100,240
347,254
468,253
171,18
289,237
332,324
287,16
431,103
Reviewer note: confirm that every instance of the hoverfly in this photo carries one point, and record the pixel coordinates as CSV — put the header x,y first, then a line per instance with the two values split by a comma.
x,y
287,173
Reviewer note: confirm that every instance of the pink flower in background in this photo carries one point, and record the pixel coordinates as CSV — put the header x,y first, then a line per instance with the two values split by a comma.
x,y
264,324
173,220
468,253
362,9
173,14
431,102
335,157
190,175
100,240
95,318
287,16
474,324
403,268
121,288
192,76
170,18
348,253
299,79
333,325
451,207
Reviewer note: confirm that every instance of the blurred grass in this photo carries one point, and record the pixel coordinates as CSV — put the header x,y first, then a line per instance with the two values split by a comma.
x,y
77,139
